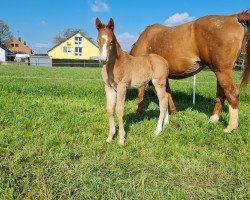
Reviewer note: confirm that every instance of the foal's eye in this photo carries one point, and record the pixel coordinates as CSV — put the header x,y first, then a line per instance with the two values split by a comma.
x,y
111,42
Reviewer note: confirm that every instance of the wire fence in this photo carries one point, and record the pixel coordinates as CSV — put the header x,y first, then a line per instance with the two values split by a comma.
x,y
97,79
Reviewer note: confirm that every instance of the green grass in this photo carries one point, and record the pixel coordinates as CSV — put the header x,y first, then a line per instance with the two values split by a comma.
x,y
53,132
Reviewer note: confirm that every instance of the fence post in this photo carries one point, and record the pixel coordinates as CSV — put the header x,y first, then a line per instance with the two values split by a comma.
x,y
194,84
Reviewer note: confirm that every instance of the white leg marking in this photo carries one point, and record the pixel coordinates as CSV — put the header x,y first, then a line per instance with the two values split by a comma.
x,y
166,119
214,118
233,119
111,96
163,103
104,48
159,127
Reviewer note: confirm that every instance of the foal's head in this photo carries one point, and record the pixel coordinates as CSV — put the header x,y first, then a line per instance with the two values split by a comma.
x,y
105,39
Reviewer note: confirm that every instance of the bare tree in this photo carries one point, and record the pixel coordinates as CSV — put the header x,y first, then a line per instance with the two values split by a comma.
x,y
67,33
5,34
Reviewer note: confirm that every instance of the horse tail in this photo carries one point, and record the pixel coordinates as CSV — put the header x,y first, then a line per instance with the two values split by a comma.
x,y
244,19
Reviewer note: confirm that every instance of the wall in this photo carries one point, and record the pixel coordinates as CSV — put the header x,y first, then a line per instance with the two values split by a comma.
x,y
40,61
2,55
88,49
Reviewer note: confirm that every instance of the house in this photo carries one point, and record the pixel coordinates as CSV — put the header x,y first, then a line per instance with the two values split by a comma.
x,y
17,47
75,47
5,55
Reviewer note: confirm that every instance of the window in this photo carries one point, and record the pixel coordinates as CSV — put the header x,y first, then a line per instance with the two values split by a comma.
x,y
78,40
78,51
12,45
16,45
66,49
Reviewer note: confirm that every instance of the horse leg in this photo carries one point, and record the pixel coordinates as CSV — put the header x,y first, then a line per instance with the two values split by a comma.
x,y
166,116
232,95
110,96
220,98
163,102
141,91
170,100
121,93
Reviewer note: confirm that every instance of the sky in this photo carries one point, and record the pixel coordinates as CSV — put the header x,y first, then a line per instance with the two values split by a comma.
x,y
38,21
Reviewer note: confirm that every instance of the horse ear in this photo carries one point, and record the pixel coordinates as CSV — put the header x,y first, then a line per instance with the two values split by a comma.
x,y
98,23
111,24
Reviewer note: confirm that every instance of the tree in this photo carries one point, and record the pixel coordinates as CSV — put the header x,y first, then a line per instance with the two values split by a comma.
x,y
5,34
67,33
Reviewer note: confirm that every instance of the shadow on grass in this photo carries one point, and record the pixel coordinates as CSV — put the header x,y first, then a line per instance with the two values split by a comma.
x,y
182,101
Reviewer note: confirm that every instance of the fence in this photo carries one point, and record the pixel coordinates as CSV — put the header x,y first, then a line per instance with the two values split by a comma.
x,y
75,63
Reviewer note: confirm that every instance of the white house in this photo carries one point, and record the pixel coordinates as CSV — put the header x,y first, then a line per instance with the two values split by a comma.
x,y
4,54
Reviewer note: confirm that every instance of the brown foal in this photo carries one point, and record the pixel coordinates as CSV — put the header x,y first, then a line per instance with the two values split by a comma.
x,y
121,70
213,40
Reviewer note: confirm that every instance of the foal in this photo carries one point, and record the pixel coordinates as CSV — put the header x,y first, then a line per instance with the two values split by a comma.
x,y
121,70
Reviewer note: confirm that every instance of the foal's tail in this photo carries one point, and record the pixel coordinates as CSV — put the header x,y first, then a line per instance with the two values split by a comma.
x,y
244,19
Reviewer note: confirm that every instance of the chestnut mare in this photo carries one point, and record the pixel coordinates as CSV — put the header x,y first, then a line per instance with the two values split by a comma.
x,y
121,70
213,40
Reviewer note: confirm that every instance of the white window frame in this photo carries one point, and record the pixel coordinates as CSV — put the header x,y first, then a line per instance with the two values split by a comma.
x,y
68,49
78,40
77,51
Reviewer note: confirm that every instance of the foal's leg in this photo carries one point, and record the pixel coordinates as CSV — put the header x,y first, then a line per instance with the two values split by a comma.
x,y
163,102
141,91
121,93
170,100
220,98
232,95
111,96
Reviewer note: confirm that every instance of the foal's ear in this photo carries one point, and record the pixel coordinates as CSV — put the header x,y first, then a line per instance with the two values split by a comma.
x,y
111,24
98,23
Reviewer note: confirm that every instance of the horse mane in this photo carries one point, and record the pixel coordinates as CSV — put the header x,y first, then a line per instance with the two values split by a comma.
x,y
244,16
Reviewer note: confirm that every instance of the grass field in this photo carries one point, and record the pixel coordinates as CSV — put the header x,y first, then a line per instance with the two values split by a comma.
x,y
53,128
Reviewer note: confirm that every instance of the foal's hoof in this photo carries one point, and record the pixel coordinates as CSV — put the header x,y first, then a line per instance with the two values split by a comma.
x,y
121,141
214,118
109,140
227,130
157,132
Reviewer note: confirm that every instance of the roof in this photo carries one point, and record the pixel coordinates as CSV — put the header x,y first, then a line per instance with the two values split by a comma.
x,y
71,37
22,48
5,49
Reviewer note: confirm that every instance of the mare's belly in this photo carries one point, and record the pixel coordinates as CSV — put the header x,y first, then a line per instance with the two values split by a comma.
x,y
185,70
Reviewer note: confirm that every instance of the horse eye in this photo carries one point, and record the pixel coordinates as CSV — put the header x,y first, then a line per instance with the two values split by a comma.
x,y
111,42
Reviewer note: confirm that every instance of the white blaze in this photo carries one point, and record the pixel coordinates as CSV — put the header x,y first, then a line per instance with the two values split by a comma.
x,y
104,48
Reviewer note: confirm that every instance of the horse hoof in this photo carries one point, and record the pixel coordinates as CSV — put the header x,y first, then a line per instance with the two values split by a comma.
x,y
214,118
227,130
139,112
157,132
109,140
173,112
121,142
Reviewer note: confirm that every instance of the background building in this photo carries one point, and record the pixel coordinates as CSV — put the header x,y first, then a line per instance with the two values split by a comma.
x,y
75,47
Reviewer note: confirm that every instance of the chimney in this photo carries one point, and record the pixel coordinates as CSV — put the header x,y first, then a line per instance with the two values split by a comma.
x,y
19,38
24,42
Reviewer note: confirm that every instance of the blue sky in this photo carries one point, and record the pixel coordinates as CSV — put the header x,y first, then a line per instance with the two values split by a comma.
x,y
38,21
